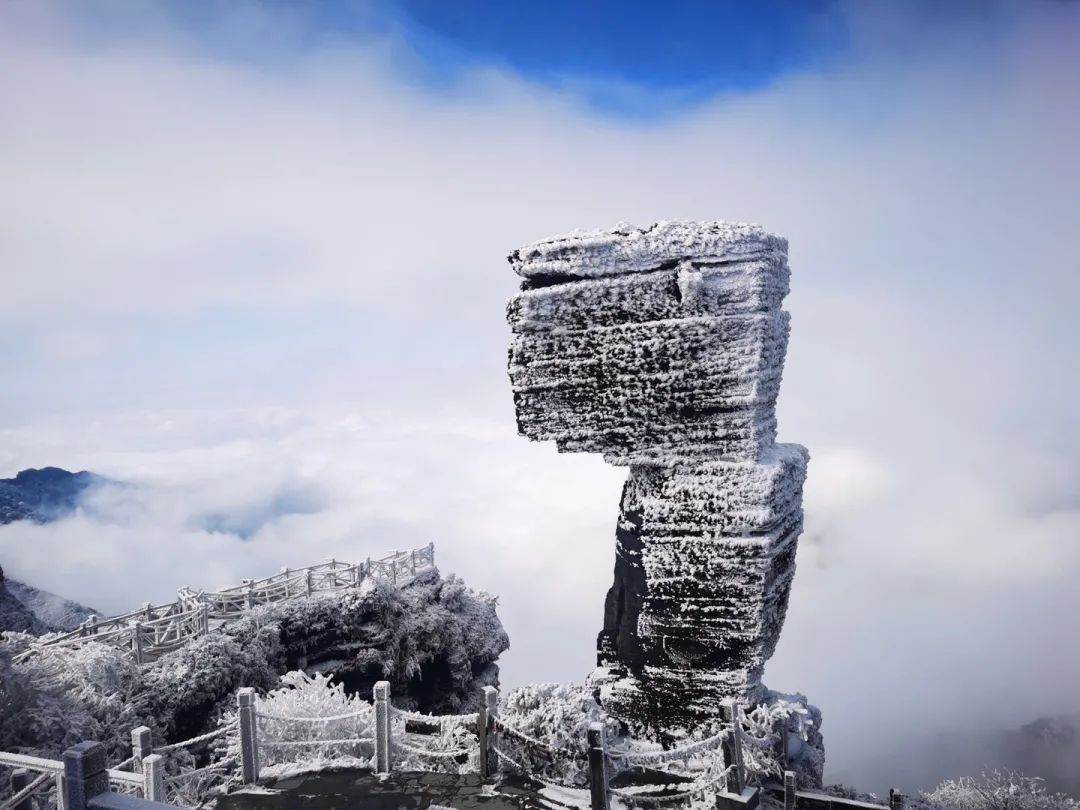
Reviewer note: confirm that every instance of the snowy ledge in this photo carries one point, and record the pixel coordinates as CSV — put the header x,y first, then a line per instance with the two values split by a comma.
x,y
630,249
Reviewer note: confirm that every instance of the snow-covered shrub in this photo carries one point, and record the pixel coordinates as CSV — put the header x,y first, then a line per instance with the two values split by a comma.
x,y
453,748
311,720
65,696
15,693
188,788
762,727
558,717
998,790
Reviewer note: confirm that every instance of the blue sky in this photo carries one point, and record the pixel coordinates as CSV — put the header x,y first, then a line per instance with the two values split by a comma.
x,y
634,60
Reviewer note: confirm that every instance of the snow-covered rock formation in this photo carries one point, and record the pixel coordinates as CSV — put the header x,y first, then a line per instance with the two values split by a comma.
x,y
16,616
662,348
436,641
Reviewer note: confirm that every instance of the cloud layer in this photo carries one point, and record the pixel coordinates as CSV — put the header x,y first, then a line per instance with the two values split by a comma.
x,y
234,281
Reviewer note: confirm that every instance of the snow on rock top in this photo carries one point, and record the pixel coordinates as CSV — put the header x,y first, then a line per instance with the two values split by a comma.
x,y
629,249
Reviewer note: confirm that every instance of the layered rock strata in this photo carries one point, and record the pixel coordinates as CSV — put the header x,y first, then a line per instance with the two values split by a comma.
x,y
662,348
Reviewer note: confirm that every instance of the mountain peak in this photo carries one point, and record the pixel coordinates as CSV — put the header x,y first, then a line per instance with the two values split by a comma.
x,y
44,494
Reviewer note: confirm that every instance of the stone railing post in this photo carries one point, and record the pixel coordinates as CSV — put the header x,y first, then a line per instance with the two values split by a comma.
x,y
20,778
412,560
204,618
732,747
896,799
249,594
153,766
86,774
485,730
249,742
285,571
137,642
791,786
381,695
598,787
140,746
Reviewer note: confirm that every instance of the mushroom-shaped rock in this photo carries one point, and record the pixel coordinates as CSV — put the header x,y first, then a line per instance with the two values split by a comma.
x,y
662,348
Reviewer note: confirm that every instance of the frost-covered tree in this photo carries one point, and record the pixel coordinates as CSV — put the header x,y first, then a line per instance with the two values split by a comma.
x,y
998,790
61,697
557,716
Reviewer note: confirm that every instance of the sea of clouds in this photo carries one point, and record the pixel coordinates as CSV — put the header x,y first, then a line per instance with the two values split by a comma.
x,y
268,294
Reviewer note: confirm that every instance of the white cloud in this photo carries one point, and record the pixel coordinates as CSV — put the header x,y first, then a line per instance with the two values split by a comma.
x,y
230,280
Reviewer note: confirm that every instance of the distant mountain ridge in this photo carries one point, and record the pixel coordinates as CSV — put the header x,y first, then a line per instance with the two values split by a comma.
x,y
43,495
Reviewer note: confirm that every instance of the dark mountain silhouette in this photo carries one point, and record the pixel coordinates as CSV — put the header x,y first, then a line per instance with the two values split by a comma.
x,y
43,495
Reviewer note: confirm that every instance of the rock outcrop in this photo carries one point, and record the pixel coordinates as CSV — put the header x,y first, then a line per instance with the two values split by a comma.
x,y
56,613
662,348
14,615
436,641
24,609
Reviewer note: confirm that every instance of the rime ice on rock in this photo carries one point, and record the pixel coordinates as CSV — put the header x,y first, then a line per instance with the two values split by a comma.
x,y
662,348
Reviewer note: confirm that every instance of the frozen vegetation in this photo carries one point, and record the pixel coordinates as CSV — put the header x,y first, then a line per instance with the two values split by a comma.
x,y
436,641
541,733
997,790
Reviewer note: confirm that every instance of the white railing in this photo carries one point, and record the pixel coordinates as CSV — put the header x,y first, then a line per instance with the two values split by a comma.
x,y
492,744
50,776
710,768
153,631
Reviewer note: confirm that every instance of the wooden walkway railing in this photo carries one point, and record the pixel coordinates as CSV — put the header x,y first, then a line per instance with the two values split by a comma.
x,y
155,630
